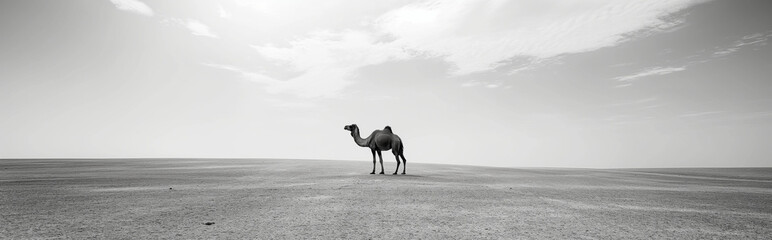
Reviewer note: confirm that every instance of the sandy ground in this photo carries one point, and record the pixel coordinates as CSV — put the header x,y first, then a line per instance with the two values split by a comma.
x,y
174,198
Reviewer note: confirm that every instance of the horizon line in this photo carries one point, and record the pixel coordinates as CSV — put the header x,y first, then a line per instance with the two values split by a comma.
x,y
349,160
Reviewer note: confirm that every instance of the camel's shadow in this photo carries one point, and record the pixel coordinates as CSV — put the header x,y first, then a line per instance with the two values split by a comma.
x,y
398,175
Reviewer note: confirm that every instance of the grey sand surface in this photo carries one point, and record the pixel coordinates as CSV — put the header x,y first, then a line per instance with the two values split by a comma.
x,y
244,198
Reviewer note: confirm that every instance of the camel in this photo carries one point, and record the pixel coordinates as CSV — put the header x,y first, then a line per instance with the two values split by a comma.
x,y
380,140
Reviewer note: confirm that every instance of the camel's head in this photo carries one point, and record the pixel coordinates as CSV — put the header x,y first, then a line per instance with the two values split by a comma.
x,y
350,127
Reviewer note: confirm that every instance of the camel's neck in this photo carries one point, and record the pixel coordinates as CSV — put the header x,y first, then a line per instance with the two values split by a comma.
x,y
357,139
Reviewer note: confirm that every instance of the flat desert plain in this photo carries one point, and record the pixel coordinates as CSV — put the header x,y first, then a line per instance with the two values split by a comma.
x,y
267,199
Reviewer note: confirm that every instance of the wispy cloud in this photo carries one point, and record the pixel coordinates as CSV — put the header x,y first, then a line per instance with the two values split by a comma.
x,y
747,40
479,35
656,71
487,84
756,39
325,49
199,29
327,60
251,76
305,86
194,26
133,6
475,35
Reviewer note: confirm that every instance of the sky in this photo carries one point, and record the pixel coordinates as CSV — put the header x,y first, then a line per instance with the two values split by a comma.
x,y
552,83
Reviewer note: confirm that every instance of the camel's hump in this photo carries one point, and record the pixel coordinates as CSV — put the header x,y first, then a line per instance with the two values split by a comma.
x,y
387,129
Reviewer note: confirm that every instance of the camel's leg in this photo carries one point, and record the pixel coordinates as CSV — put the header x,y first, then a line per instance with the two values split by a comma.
x,y
396,170
381,158
404,162
373,151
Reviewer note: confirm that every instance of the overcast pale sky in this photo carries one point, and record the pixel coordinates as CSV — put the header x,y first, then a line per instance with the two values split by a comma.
x,y
549,83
